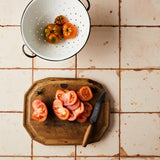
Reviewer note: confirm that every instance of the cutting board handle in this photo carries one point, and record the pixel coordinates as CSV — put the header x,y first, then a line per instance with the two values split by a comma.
x,y
87,135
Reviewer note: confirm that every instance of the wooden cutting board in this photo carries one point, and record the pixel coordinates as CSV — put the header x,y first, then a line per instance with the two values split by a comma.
x,y
54,131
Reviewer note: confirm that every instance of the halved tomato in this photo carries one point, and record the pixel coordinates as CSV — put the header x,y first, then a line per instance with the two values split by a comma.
x,y
40,111
82,119
60,111
69,31
74,106
88,109
85,93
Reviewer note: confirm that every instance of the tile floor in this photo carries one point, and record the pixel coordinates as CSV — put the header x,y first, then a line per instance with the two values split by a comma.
x,y
122,53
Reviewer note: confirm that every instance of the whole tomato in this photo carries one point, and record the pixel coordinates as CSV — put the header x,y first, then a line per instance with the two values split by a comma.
x,y
52,33
69,30
60,20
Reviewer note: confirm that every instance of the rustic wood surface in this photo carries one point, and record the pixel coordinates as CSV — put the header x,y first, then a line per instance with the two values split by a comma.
x,y
54,131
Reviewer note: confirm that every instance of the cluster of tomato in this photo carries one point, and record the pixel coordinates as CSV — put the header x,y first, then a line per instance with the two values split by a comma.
x,y
68,105
61,28
76,105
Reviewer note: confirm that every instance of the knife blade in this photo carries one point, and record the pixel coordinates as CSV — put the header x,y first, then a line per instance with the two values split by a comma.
x,y
93,119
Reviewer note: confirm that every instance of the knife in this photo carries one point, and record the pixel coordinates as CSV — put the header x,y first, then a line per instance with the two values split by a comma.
x,y
93,119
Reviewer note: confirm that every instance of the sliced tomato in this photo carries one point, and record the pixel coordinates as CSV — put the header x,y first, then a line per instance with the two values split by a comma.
x,y
70,98
60,111
74,106
85,93
60,94
76,113
88,109
40,111
72,116
82,119
79,110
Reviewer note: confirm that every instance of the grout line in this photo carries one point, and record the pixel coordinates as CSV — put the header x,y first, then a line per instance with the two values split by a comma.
x,y
32,70
32,83
75,152
129,69
104,25
139,112
76,66
139,156
10,25
119,78
31,149
15,68
124,25
110,112
123,156
99,25
139,69
11,111
15,156
75,77
140,26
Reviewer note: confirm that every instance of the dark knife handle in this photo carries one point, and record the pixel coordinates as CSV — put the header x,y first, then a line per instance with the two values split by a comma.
x,y
87,135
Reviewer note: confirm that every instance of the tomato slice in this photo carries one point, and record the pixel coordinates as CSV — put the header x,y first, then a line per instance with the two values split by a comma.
x,y
76,113
40,111
74,106
85,93
72,116
88,109
60,94
82,119
79,110
61,112
70,98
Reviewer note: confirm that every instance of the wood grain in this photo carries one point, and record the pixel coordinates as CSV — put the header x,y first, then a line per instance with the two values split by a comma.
x,y
54,131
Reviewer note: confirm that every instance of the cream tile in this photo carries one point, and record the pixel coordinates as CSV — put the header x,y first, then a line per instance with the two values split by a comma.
x,y
11,11
61,150
40,74
14,83
50,158
101,50
140,158
11,48
15,158
140,47
140,134
109,79
108,145
41,63
140,91
103,12
97,158
14,140
140,12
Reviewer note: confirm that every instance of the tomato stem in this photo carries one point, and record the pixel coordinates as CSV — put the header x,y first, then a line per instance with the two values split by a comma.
x,y
52,31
